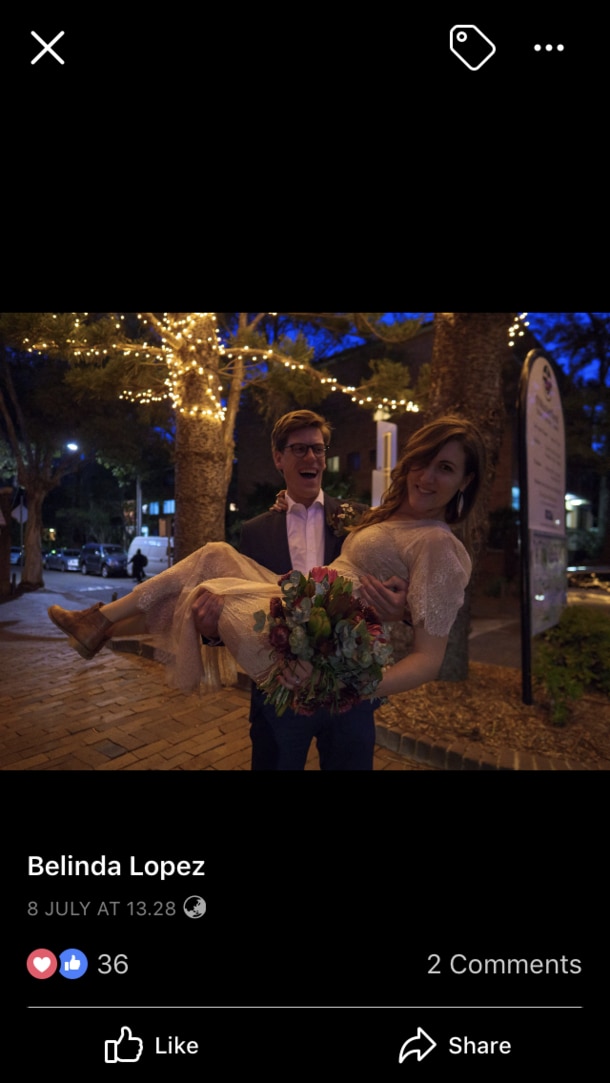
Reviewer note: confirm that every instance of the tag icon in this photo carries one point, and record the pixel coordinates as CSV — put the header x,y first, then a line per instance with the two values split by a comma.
x,y
471,45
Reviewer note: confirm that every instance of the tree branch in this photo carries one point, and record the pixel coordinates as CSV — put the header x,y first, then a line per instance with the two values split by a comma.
x,y
173,341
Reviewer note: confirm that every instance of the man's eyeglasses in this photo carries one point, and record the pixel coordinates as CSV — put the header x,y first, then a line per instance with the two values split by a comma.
x,y
300,450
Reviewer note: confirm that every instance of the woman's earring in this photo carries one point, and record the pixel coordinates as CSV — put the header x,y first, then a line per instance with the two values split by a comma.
x,y
460,504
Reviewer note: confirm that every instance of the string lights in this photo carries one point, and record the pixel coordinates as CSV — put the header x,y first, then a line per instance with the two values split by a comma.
x,y
188,359
184,343
189,347
517,329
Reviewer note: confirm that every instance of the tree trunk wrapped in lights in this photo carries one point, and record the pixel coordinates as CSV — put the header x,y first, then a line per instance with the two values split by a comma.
x,y
203,460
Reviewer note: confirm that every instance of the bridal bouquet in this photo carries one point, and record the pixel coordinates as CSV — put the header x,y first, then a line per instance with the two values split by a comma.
x,y
317,619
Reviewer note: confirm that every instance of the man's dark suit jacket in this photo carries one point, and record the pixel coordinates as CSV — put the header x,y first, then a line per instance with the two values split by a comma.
x,y
265,538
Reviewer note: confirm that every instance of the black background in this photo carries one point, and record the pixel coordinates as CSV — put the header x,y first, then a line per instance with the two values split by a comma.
x,y
348,166
326,894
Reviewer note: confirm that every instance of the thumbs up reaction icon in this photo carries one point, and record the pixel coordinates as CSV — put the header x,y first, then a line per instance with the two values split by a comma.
x,y
125,1048
73,962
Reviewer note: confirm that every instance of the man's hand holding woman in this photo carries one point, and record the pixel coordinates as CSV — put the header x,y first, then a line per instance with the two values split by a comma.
x,y
206,614
387,598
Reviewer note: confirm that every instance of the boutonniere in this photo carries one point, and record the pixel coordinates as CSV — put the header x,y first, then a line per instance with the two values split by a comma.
x,y
342,517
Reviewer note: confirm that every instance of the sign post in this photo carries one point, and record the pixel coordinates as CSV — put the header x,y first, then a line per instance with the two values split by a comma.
x,y
386,459
20,513
542,481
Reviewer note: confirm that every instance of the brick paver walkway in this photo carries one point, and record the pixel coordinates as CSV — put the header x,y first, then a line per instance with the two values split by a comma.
x,y
115,713
60,713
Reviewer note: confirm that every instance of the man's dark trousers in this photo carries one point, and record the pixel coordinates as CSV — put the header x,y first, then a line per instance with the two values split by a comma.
x,y
345,741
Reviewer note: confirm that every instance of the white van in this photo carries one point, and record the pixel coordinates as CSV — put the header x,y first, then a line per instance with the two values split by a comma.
x,y
156,549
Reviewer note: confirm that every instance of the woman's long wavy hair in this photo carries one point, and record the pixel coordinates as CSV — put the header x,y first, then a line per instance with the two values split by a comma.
x,y
421,448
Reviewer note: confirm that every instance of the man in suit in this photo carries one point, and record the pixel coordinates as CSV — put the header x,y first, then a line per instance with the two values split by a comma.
x,y
307,534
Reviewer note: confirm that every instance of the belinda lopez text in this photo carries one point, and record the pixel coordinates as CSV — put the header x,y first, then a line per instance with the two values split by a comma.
x,y
67,865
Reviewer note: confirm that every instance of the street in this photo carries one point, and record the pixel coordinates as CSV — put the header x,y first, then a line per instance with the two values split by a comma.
x,y
86,589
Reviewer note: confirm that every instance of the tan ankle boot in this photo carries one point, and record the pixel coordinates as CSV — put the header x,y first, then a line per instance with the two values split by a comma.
x,y
88,629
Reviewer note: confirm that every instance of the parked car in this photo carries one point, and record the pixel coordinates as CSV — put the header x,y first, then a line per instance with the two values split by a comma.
x,y
15,554
101,559
63,560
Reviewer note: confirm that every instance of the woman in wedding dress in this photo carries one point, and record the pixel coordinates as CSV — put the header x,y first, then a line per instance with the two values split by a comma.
x,y
433,488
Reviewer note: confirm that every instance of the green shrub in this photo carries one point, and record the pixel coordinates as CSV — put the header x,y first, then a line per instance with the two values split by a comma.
x,y
573,658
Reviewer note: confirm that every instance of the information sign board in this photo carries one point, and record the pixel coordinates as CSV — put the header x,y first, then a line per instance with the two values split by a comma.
x,y
542,481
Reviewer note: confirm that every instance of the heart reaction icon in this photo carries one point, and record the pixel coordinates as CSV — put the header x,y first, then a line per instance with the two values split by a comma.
x,y
41,963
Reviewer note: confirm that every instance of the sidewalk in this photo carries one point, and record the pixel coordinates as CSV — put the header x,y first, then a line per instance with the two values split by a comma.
x,y
60,713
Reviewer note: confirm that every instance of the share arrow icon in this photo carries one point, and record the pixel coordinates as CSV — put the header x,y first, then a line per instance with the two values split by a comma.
x,y
417,1045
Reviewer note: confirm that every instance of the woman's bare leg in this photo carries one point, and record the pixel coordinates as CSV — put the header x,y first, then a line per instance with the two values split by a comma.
x,y
124,609
127,626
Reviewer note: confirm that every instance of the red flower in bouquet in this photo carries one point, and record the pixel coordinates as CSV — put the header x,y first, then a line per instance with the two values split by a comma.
x,y
317,619
279,638
320,574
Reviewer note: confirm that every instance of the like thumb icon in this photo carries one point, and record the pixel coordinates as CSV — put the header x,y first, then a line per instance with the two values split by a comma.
x,y
125,1048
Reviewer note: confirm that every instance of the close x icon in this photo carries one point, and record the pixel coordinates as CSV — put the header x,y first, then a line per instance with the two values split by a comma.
x,y
48,47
